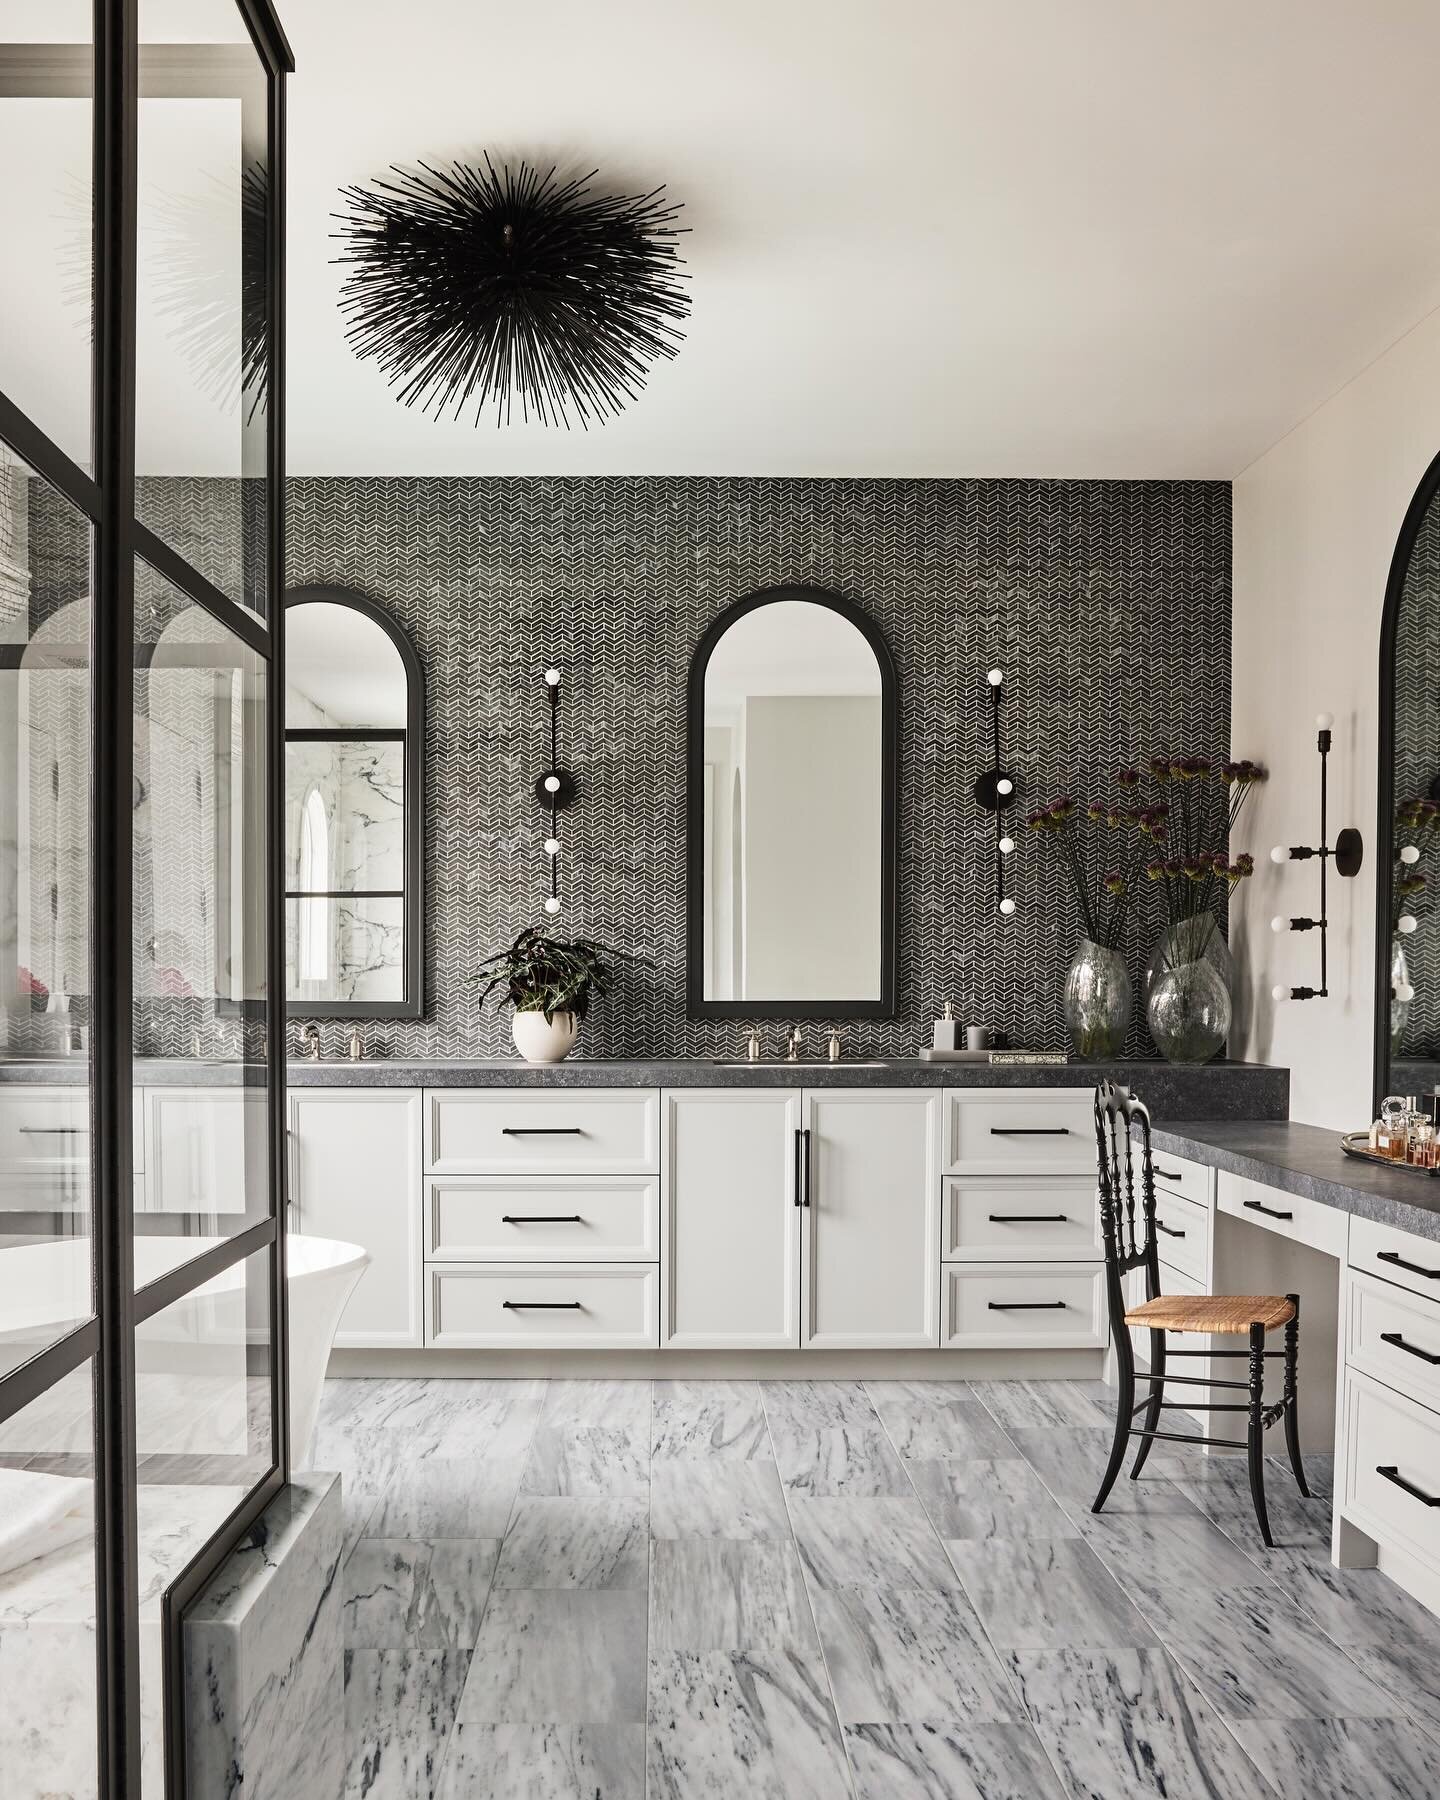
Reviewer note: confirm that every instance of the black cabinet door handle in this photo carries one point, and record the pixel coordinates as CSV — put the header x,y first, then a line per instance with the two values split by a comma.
x,y
1270,1212
1170,1230
1029,1218
1169,1174
1027,1306
1394,1337
805,1160
1029,1131
541,1131
1394,1256
542,1306
1392,1474
541,1219
799,1165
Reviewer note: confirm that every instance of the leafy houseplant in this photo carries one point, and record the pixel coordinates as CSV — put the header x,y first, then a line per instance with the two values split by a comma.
x,y
549,981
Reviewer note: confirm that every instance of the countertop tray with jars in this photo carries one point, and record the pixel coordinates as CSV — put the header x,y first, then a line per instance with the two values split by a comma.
x,y
1357,1144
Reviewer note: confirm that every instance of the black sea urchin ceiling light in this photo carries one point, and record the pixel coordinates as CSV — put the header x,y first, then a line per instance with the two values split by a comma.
x,y
491,285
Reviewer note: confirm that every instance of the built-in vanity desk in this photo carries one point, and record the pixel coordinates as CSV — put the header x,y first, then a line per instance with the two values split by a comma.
x,y
1279,1207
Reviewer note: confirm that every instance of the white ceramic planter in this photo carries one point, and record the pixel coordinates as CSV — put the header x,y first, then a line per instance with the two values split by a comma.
x,y
542,1041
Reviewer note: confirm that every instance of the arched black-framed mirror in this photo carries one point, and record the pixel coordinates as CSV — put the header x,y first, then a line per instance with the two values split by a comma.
x,y
792,759
1407,897
354,820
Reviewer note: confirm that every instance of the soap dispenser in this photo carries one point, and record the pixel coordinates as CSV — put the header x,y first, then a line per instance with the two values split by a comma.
x,y
947,1031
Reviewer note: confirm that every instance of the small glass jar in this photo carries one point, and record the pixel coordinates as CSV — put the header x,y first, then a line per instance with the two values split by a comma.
x,y
1391,1132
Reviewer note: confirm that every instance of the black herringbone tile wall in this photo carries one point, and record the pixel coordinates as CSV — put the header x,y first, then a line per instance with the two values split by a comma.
x,y
1108,604
1417,764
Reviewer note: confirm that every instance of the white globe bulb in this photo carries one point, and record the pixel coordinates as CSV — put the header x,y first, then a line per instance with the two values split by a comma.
x,y
1280,854
1406,924
552,678
552,846
1007,906
1324,720
552,905
1004,785
1410,853
1403,992
1279,923
1279,992
995,677
1006,845
552,784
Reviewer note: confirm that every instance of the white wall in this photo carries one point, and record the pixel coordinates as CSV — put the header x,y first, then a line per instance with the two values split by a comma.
x,y
1316,520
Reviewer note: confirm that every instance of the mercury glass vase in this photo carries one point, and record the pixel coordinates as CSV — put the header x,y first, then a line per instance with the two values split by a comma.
x,y
1189,985
1097,1002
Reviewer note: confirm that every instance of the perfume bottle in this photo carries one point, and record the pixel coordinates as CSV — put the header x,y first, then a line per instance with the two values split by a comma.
x,y
1389,1135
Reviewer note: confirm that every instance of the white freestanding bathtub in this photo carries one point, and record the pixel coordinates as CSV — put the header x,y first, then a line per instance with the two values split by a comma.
x,y
191,1366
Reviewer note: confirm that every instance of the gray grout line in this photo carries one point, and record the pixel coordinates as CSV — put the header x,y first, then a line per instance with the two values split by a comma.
x,y
809,1597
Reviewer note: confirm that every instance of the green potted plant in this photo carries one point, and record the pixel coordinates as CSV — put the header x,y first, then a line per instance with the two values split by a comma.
x,y
549,982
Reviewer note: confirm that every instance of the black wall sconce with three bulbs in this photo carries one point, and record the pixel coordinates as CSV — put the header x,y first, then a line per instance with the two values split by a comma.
x,y
994,789
555,789
1347,853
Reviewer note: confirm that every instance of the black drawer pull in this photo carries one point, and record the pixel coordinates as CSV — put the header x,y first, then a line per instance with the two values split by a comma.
x,y
1394,1256
1169,1230
1029,1218
541,1219
1394,1337
1270,1212
799,1165
541,1131
1029,1131
1391,1473
542,1306
54,1130
1027,1306
1169,1174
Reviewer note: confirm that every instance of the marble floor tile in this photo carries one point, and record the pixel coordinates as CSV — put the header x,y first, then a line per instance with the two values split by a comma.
x,y
544,1762
909,1654
559,1656
1122,1724
1408,1669
559,1542
703,1420
588,1462
1002,1498
937,1418
1014,1405
1220,1488
1344,1759
399,1710
838,1459
399,1593
712,1594
742,1726
611,1405
869,1543
812,1405
718,1498
1045,1593
465,1497
1071,1459
1172,1566
949,1760
1351,1606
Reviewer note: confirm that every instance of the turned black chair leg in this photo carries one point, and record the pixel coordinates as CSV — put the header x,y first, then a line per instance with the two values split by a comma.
x,y
1125,1375
1157,1396
1257,1431
1292,1395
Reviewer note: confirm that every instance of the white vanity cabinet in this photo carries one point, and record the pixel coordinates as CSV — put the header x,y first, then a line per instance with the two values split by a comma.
x,y
355,1162
207,1150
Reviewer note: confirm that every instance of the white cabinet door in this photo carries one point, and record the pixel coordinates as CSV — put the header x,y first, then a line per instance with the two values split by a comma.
x,y
729,1219
355,1175
207,1150
871,1260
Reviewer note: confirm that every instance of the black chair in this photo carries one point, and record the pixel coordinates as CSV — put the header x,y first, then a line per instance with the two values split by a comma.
x,y
1127,1220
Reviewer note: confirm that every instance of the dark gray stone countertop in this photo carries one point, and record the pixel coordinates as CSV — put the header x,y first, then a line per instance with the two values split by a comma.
x,y
1307,1160
1216,1091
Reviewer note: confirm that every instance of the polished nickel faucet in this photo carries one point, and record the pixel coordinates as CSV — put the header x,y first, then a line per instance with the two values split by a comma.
x,y
792,1044
310,1041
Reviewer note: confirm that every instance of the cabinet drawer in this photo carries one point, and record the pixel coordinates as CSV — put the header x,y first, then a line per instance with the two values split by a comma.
x,y
562,1306
1289,1215
1178,1175
1394,1337
592,1131
44,1148
1043,1220
591,1218
1020,1130
1182,1234
1412,1262
1057,1305
1385,1432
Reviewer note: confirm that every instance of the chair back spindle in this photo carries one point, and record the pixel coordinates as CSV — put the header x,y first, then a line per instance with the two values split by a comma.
x,y
1127,1191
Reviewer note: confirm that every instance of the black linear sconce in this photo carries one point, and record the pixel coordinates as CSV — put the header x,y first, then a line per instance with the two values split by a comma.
x,y
1348,852
555,790
995,790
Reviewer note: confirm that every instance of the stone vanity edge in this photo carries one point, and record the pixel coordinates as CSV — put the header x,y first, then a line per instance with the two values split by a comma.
x,y
1216,1091
1306,1160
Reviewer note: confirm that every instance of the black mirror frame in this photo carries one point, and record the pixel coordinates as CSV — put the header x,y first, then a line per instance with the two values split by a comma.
x,y
412,1004
697,1006
1425,495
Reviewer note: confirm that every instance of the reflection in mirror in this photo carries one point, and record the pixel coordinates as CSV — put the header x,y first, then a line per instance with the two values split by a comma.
x,y
350,744
1408,1054
793,869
